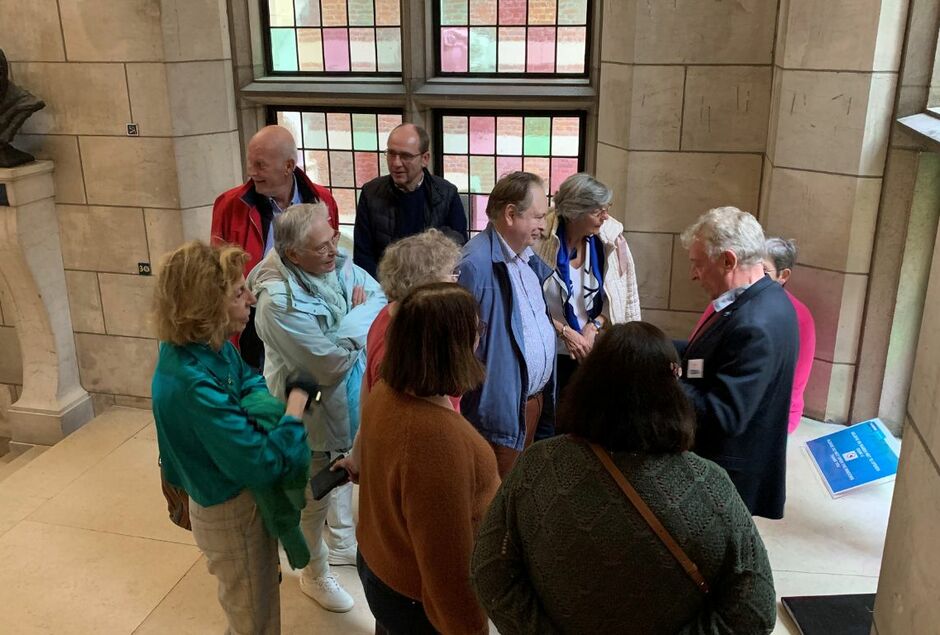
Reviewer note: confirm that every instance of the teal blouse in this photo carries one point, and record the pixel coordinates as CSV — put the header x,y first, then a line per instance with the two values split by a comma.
x,y
207,444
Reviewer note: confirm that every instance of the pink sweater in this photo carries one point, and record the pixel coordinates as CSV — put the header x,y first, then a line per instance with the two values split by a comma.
x,y
804,361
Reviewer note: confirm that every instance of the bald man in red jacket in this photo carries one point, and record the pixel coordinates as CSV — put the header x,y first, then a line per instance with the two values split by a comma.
x,y
244,215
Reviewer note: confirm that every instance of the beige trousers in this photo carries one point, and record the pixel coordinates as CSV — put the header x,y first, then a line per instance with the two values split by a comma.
x,y
243,557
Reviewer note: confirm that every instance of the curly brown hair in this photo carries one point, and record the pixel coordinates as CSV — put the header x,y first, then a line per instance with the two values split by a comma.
x,y
193,289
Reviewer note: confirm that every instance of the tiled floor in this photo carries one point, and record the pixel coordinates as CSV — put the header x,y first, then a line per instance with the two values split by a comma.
x,y
86,547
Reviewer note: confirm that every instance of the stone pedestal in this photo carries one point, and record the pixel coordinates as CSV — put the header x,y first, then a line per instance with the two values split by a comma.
x,y
53,402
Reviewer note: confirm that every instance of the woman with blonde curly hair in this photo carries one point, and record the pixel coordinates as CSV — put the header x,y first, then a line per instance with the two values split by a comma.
x,y
208,445
411,262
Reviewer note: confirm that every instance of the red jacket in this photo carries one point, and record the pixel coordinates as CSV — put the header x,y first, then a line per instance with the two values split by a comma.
x,y
236,218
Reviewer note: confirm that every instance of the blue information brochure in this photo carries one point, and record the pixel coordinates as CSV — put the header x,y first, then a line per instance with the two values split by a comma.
x,y
859,455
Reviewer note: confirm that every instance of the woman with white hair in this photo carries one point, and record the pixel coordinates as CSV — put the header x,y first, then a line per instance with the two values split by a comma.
x,y
594,281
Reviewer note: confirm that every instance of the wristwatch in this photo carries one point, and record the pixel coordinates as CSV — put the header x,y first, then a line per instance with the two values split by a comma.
x,y
597,324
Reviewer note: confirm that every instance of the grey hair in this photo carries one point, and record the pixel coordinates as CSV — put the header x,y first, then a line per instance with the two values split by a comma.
x,y
728,229
417,260
293,224
782,252
580,194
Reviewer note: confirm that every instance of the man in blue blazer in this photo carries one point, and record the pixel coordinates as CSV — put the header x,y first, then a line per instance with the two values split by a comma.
x,y
738,363
516,403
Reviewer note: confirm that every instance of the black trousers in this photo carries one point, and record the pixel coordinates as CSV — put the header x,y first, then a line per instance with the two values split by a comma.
x,y
563,372
394,613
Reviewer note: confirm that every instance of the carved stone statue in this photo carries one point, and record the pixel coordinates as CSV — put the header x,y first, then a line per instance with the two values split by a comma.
x,y
16,105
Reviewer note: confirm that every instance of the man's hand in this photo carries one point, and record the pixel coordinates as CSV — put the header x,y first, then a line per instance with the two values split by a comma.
x,y
358,295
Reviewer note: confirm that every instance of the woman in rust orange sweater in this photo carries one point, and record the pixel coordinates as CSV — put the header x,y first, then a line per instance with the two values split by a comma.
x,y
427,476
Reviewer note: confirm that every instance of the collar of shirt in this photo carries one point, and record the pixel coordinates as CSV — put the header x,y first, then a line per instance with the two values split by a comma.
x,y
727,298
523,255
401,189
295,199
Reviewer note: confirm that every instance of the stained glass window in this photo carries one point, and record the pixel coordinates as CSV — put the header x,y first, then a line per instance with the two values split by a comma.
x,y
512,37
333,36
476,148
341,150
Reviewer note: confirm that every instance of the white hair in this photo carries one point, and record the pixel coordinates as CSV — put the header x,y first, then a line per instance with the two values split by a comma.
x,y
292,226
581,194
728,229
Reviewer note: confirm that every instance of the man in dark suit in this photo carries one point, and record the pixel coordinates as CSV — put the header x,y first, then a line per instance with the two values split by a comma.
x,y
738,363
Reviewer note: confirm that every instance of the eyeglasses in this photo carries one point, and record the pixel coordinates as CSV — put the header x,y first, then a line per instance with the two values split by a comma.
x,y
604,209
406,157
325,248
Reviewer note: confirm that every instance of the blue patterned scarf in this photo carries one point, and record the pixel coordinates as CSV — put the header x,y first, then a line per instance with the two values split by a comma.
x,y
593,268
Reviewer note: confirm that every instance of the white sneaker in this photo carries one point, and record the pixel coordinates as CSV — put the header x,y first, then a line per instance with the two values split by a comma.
x,y
327,592
340,557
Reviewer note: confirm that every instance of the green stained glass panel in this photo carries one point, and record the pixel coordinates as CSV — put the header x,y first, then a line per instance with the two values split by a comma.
x,y
572,11
314,130
482,174
483,49
281,12
454,12
283,50
365,136
388,45
360,13
537,134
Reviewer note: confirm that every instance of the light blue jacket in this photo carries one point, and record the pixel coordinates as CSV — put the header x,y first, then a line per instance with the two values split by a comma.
x,y
298,332
497,407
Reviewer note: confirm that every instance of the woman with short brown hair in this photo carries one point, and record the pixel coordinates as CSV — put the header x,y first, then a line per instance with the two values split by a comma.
x,y
427,475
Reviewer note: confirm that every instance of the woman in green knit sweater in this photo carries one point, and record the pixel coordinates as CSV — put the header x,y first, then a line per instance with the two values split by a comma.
x,y
562,550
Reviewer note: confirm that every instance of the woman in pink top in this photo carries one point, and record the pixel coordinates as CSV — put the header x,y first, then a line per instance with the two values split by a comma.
x,y
411,262
778,264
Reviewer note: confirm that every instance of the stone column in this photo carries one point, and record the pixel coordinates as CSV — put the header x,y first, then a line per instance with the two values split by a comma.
x,y
53,402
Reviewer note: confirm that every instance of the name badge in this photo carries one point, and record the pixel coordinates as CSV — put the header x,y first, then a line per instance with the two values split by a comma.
x,y
695,369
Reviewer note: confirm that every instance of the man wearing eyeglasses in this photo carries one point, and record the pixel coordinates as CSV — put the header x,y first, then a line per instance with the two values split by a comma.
x,y
314,312
244,215
406,201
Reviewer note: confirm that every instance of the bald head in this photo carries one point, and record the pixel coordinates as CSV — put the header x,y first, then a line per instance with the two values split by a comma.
x,y
276,139
272,156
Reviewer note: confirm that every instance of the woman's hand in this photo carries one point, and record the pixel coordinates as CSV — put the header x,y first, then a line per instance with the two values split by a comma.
x,y
297,402
578,346
358,295
350,464
590,334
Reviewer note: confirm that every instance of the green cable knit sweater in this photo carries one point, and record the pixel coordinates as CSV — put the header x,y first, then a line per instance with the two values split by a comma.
x,y
562,550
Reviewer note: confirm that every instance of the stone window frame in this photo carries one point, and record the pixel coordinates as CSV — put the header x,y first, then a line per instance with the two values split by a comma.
x,y
926,125
418,92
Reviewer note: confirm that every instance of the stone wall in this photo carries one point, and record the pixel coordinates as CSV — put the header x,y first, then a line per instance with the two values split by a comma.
x,y
685,93
783,111
909,586
123,200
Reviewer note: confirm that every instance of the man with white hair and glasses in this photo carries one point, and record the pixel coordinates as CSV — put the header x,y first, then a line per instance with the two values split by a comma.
x,y
738,362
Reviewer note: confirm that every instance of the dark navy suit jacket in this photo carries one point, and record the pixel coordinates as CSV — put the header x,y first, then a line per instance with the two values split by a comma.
x,y
742,401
